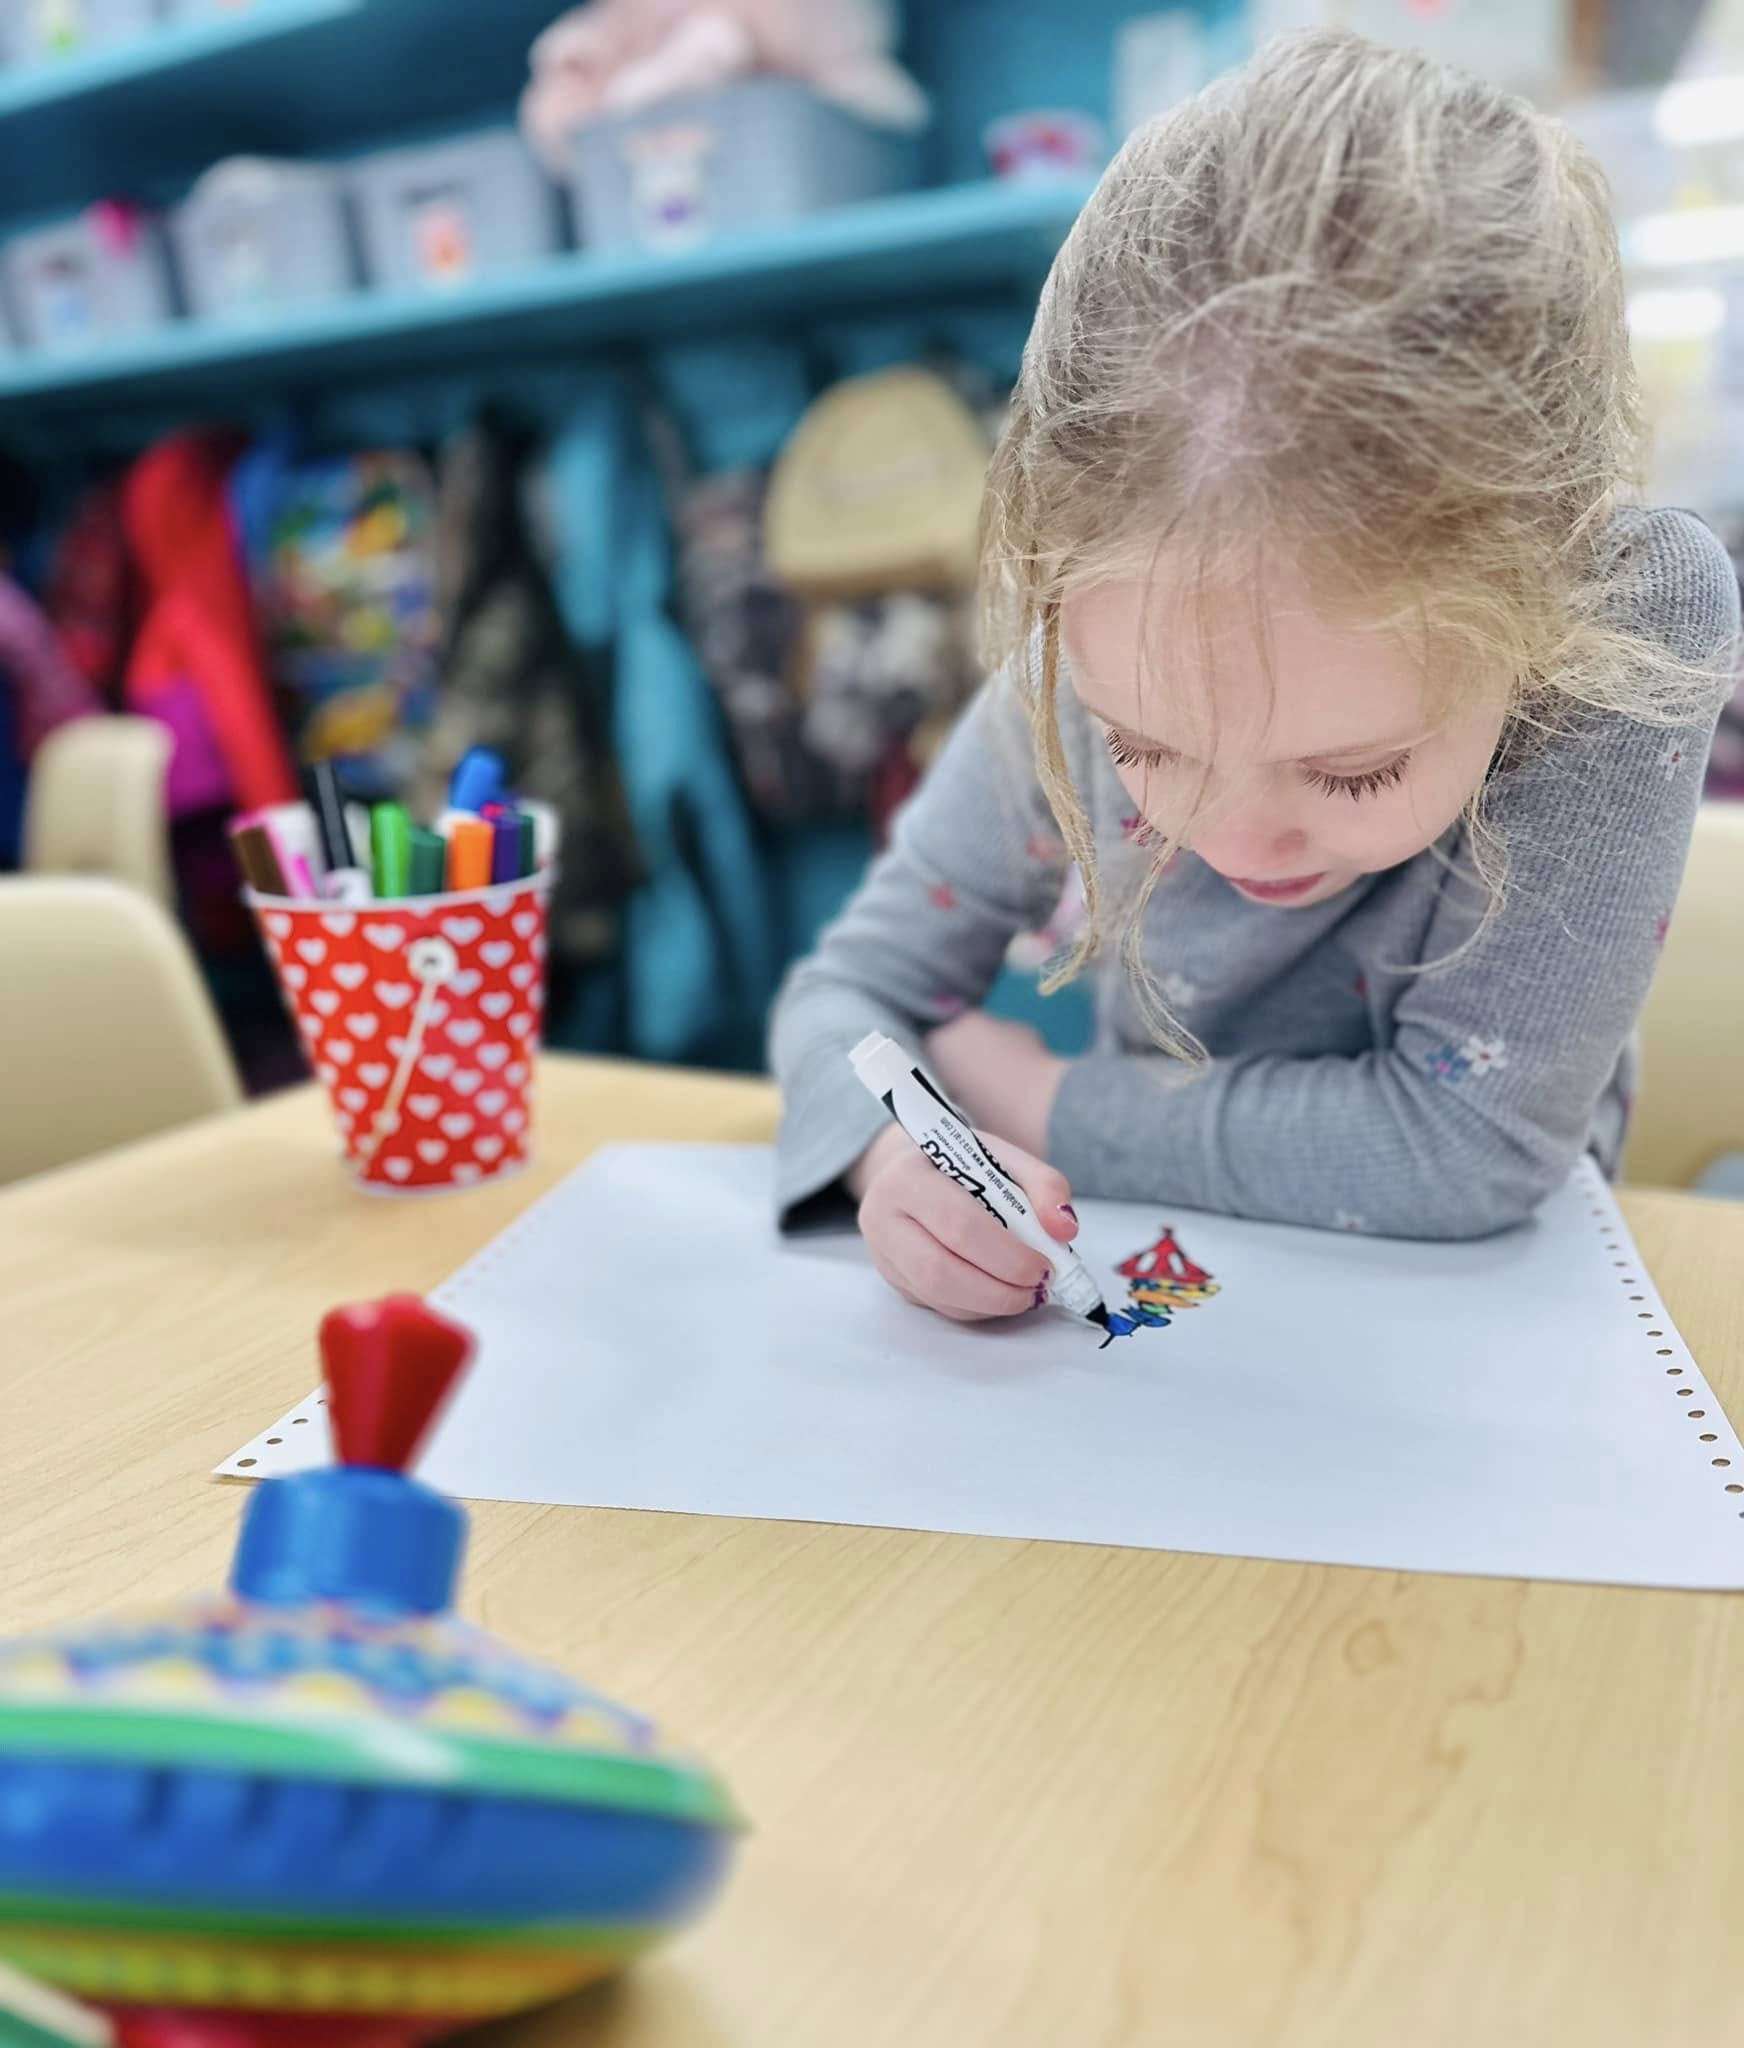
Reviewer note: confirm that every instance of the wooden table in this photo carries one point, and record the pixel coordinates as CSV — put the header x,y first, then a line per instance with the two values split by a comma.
x,y
1008,1795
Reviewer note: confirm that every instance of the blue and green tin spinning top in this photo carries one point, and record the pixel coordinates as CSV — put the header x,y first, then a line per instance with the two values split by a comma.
x,y
319,1811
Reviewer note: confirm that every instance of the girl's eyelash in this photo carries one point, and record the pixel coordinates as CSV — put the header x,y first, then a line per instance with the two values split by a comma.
x,y
1126,755
1370,783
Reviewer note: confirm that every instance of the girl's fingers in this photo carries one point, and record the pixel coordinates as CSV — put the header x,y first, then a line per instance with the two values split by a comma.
x,y
931,1273
957,1220
1049,1191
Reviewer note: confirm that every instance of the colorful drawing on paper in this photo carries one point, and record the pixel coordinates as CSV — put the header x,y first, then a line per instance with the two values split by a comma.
x,y
1160,1281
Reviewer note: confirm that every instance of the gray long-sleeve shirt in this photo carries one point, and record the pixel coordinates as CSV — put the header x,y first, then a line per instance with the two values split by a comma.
x,y
1352,1082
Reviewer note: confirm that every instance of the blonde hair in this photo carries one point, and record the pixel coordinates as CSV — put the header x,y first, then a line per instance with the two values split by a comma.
x,y
1357,306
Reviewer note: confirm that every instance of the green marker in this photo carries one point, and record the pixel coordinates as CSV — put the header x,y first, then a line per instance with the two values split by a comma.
x,y
390,849
429,862
529,846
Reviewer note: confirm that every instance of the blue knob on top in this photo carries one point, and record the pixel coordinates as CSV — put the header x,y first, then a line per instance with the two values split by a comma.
x,y
363,1533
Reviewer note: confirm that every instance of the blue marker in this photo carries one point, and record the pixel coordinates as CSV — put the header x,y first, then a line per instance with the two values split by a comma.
x,y
480,779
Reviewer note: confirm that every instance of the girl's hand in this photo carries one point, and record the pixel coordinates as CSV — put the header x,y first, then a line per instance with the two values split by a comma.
x,y
938,1247
1001,1075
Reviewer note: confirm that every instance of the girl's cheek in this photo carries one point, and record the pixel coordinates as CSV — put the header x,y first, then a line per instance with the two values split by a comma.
x,y
1149,798
1396,825
1159,799
1382,831
1376,833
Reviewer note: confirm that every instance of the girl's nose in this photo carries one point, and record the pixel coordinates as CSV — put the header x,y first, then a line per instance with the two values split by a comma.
x,y
1253,844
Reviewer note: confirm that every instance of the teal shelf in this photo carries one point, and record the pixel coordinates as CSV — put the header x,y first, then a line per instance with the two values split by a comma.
x,y
921,247
287,77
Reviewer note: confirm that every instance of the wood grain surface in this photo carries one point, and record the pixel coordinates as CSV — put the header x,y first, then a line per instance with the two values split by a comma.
x,y
1006,1795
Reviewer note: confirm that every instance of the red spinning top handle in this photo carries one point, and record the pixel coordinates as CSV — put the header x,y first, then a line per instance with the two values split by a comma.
x,y
390,1365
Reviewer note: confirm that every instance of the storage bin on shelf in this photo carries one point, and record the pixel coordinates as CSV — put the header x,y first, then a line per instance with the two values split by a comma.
x,y
99,276
704,164
254,235
33,30
439,215
212,10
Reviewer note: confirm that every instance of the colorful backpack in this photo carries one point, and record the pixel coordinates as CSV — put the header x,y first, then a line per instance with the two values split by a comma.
x,y
341,555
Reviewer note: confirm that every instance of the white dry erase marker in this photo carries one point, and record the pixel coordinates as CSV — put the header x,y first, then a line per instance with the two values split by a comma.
x,y
948,1139
357,831
347,885
295,832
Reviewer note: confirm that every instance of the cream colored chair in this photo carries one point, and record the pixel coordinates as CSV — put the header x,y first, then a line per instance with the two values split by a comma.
x,y
106,1031
96,804
1691,1106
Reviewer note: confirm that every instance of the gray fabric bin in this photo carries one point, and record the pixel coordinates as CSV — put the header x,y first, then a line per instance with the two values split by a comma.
x,y
34,30
707,164
214,10
255,235
70,287
436,217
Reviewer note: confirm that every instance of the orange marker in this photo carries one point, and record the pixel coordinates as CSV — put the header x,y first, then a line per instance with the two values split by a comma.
x,y
469,854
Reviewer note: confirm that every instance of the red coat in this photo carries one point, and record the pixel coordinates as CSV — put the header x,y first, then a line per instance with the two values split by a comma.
x,y
197,625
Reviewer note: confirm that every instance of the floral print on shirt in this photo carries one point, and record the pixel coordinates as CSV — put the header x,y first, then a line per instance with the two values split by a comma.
x,y
1478,1056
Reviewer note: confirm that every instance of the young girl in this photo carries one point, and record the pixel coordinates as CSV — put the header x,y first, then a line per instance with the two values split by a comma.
x,y
1367,713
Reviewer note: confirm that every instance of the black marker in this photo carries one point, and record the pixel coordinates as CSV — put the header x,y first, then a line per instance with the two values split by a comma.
x,y
344,881
945,1135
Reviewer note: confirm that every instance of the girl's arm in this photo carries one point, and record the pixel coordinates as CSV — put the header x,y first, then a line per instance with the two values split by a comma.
x,y
1485,1098
973,861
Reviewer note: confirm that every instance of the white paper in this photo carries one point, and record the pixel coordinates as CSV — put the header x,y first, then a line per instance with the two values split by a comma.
x,y
1501,1408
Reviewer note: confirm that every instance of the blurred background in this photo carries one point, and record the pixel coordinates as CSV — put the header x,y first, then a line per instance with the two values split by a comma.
x,y
375,381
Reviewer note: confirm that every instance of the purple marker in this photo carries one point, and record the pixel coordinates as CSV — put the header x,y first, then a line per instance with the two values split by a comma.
x,y
505,824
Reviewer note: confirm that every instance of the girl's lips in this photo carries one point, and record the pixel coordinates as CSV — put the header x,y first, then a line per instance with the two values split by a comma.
x,y
1278,892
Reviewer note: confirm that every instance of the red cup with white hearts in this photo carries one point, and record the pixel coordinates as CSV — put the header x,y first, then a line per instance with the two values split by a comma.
x,y
422,1018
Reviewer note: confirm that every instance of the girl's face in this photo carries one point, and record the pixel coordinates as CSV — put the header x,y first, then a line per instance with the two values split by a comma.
x,y
1293,756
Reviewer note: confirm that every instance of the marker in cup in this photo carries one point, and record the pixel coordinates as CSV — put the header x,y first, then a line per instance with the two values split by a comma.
x,y
429,862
